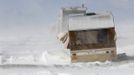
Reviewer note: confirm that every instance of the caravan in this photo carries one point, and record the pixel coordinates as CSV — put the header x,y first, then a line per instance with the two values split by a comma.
x,y
90,36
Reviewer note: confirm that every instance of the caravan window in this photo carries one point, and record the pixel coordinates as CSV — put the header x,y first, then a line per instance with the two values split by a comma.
x,y
86,39
91,37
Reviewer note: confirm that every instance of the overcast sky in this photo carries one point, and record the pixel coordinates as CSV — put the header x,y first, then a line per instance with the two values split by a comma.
x,y
45,12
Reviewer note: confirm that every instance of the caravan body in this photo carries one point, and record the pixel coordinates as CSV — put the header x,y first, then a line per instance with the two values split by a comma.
x,y
89,36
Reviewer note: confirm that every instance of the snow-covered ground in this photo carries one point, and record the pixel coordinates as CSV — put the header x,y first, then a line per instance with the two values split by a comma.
x,y
41,54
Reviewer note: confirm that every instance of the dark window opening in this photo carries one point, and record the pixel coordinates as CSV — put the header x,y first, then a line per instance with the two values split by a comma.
x,y
90,14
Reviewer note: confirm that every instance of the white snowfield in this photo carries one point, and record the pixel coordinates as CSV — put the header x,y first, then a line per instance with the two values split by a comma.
x,y
35,51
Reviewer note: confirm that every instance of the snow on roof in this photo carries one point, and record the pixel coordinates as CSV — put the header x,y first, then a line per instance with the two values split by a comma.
x,y
94,21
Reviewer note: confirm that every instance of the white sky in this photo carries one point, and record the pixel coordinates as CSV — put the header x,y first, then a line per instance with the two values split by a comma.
x,y
45,12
